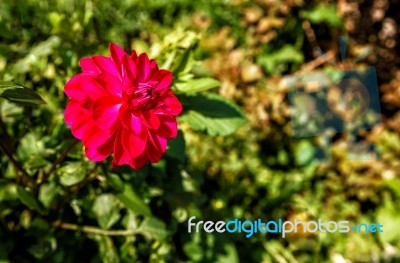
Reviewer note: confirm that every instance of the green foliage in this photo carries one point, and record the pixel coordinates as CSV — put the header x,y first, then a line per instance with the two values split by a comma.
x,y
212,113
276,62
72,173
197,85
176,148
106,210
322,13
19,95
28,199
133,202
153,228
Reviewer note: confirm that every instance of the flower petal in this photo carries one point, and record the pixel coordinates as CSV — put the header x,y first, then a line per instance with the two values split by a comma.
x,y
77,118
121,155
134,55
155,147
160,142
130,121
93,136
168,127
170,106
150,119
143,68
134,144
72,112
153,68
117,53
130,71
102,152
110,83
93,155
88,65
164,79
105,111
83,86
139,162
106,65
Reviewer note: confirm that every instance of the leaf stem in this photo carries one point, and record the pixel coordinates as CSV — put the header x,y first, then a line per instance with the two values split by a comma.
x,y
88,177
93,230
20,173
59,160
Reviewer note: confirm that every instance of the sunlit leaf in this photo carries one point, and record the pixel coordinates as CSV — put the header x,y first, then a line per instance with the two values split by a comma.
x,y
197,85
47,193
107,250
19,94
185,63
212,113
276,61
115,182
153,228
71,173
29,199
323,14
388,217
106,210
133,202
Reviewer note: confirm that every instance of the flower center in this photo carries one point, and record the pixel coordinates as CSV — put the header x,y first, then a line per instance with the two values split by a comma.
x,y
143,97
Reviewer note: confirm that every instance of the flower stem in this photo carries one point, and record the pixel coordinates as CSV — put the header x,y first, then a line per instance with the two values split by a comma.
x,y
20,174
59,160
93,230
71,191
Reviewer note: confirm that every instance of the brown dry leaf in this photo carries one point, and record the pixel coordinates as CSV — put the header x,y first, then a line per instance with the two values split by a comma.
x,y
251,73
267,23
252,14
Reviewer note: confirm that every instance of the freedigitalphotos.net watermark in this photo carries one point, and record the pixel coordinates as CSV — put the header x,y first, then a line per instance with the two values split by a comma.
x,y
249,228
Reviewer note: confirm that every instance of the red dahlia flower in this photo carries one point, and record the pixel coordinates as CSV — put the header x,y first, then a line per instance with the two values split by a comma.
x,y
122,105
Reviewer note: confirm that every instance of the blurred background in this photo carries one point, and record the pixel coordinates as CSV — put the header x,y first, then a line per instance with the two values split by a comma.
x,y
260,171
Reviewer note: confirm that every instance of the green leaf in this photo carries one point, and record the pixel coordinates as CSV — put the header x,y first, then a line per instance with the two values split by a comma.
x,y
19,94
108,252
71,173
28,199
176,147
323,14
130,221
106,209
6,84
153,228
40,223
133,202
31,149
185,63
212,113
25,219
394,185
115,182
43,247
197,85
47,193
194,250
274,61
388,216
304,152
8,192
5,249
230,255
